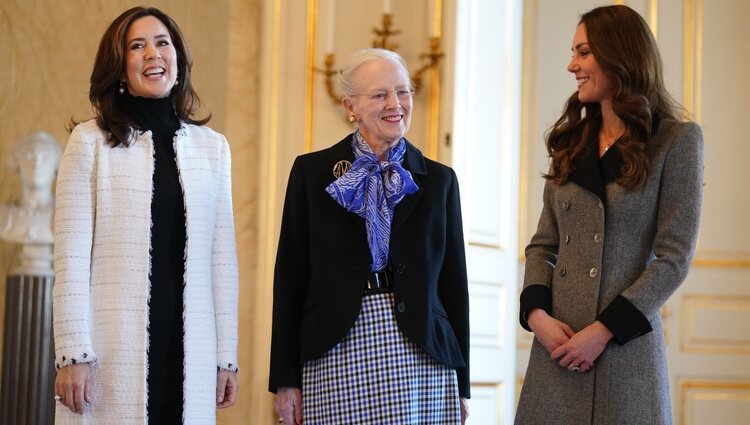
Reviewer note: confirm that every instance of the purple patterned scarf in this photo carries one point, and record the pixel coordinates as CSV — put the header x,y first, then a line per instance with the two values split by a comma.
x,y
372,189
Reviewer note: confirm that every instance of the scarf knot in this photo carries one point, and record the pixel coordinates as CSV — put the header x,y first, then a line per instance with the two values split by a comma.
x,y
372,189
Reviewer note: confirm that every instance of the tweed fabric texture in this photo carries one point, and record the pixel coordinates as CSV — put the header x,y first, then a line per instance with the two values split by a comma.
x,y
102,265
376,376
639,246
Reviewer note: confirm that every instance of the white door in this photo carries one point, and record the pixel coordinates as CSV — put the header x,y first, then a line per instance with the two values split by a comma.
x,y
484,81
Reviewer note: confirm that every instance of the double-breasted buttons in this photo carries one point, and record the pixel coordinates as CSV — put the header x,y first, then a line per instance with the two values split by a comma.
x,y
563,272
401,307
567,239
400,269
598,237
566,205
593,272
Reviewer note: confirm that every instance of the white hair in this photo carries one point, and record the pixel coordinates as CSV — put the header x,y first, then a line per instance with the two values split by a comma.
x,y
362,56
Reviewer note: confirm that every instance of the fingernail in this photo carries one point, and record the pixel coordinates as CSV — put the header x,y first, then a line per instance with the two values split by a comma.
x,y
219,398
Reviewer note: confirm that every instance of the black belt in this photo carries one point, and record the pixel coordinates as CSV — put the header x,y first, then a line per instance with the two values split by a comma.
x,y
381,281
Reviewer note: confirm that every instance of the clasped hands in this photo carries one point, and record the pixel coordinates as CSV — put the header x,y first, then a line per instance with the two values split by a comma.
x,y
575,351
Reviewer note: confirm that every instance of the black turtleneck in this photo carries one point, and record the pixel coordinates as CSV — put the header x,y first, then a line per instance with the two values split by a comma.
x,y
166,351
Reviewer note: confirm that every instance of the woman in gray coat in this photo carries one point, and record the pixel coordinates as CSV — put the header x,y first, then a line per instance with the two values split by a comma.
x,y
615,237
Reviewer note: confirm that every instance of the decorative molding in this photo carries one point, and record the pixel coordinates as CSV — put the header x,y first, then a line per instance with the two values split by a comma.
x,y
519,385
721,263
489,391
311,37
716,258
483,244
653,17
693,58
528,116
433,113
692,100
691,390
496,294
693,304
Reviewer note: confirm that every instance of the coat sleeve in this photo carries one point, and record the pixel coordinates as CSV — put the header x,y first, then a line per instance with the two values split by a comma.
x,y
453,283
289,285
224,274
541,258
74,230
678,217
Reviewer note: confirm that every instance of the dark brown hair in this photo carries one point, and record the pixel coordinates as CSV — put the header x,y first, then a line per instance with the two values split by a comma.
x,y
109,67
624,47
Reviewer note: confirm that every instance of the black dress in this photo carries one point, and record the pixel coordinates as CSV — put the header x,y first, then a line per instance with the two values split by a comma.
x,y
165,329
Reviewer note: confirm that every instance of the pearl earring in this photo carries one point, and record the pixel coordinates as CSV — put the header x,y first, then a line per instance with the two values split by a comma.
x,y
121,90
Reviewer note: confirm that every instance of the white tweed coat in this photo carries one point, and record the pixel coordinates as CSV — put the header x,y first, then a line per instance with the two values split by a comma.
x,y
102,266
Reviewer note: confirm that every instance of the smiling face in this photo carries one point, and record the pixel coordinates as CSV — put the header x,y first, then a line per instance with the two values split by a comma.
x,y
151,59
594,85
382,103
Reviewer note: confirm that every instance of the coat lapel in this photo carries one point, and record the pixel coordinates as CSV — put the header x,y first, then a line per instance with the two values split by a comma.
x,y
339,153
593,173
414,163
588,173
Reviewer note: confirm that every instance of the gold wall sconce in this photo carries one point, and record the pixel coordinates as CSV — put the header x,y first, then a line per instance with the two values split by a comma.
x,y
383,39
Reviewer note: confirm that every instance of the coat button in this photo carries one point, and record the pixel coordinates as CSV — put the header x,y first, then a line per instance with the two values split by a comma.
x,y
600,205
593,272
401,307
566,205
400,269
598,237
563,272
567,239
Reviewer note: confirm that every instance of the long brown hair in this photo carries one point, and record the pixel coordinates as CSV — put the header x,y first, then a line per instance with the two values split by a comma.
x,y
624,47
109,66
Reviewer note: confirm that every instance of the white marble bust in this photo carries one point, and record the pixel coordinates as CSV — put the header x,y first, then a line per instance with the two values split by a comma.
x,y
29,221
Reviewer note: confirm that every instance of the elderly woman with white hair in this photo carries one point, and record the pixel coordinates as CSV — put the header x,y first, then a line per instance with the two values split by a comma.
x,y
371,312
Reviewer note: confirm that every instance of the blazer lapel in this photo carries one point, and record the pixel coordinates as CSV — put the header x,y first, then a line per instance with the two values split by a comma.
x,y
340,154
414,163
588,173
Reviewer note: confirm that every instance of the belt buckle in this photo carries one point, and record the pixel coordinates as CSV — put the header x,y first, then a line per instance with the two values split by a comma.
x,y
378,282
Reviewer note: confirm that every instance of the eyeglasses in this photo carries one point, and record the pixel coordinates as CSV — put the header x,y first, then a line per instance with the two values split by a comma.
x,y
382,95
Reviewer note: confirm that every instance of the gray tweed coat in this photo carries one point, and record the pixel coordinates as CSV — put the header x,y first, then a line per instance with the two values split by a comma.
x,y
604,253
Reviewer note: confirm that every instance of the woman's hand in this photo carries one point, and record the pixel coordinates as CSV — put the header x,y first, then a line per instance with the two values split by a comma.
x,y
289,405
226,388
464,409
551,332
583,348
73,386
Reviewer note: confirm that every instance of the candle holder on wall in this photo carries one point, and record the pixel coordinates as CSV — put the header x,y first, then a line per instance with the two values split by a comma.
x,y
382,39
382,36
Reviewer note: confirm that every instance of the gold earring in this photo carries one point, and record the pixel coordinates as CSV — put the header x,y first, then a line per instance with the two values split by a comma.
x,y
352,118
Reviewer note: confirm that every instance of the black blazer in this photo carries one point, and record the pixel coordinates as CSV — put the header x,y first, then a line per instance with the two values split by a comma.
x,y
323,262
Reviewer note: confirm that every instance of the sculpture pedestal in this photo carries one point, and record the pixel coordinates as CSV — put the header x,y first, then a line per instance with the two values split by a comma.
x,y
28,374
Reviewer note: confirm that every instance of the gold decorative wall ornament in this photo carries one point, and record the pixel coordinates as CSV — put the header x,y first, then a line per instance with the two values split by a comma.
x,y
382,39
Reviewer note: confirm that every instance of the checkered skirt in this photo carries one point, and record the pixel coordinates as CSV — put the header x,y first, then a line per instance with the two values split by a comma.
x,y
376,376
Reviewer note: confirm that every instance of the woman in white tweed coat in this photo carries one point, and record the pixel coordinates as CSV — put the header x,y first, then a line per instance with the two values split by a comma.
x,y
143,158
615,237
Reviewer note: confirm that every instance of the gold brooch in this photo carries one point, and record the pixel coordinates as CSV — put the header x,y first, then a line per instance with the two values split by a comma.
x,y
341,168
